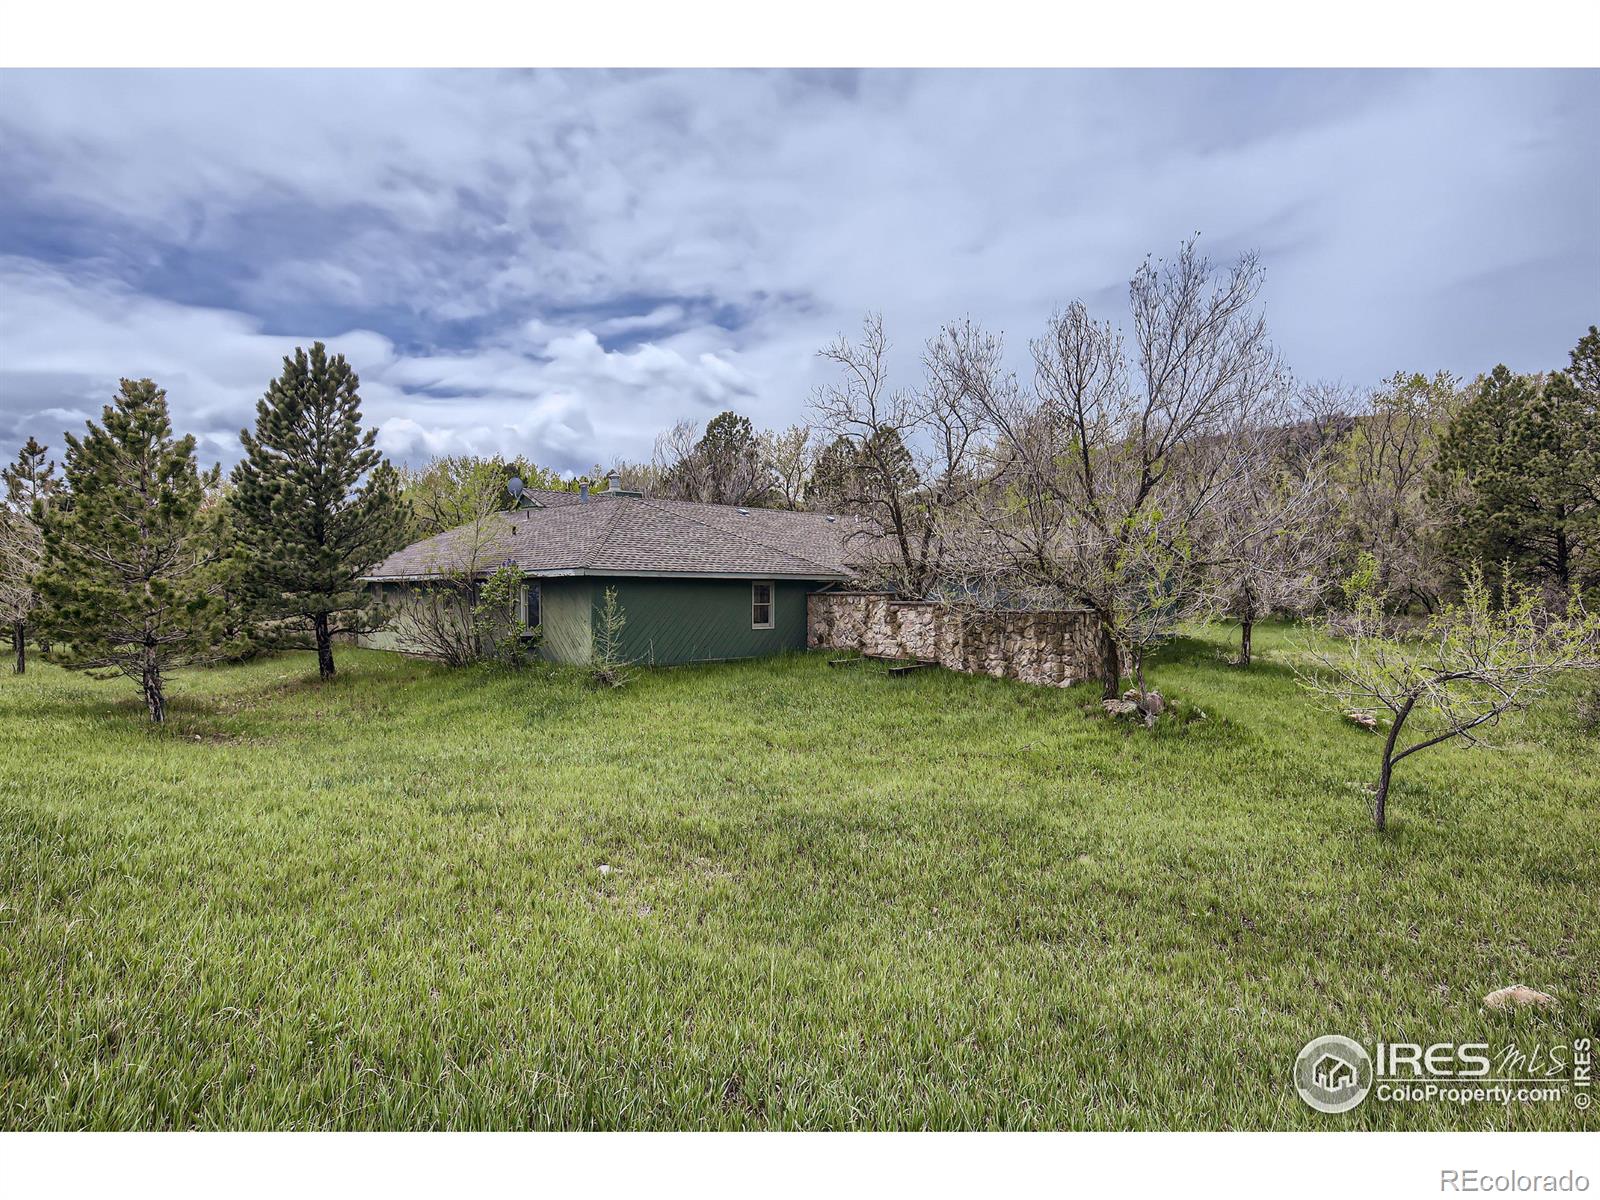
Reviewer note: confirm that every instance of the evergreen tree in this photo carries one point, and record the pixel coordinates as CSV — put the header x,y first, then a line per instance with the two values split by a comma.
x,y
126,579
1516,457
29,481
832,477
885,467
220,542
733,460
1574,396
314,504
852,474
32,478
726,466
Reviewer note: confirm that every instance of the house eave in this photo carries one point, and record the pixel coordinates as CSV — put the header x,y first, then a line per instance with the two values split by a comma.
x,y
820,575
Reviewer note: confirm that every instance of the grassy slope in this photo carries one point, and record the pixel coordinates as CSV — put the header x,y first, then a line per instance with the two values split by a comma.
x,y
837,900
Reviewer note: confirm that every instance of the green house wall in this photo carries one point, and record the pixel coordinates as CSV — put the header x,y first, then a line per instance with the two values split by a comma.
x,y
403,602
670,621
565,609
666,621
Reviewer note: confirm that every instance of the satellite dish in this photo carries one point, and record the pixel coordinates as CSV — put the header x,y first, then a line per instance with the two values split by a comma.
x,y
514,486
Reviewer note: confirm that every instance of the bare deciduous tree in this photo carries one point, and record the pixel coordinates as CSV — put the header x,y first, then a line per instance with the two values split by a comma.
x,y
1324,419
1272,537
1474,662
912,452
1389,513
30,484
443,616
21,547
1115,452
673,454
641,477
789,457
723,465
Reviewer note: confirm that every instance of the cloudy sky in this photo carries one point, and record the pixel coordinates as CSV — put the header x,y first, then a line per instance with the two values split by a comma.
x,y
563,263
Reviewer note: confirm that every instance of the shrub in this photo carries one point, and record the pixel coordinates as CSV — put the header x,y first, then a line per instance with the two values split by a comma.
x,y
607,665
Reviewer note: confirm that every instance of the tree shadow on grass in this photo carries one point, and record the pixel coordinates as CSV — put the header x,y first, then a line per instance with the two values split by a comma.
x,y
188,719
1203,654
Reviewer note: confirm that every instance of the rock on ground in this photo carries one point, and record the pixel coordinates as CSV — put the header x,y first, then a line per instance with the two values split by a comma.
x,y
1153,704
1518,996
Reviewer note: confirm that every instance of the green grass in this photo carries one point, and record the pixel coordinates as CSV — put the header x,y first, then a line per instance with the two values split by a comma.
x,y
835,900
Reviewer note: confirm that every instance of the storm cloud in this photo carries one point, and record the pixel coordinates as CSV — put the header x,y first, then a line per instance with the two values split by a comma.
x,y
561,264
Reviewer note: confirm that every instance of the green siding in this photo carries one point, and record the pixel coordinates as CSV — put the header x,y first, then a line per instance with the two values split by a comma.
x,y
702,620
667,620
405,605
565,606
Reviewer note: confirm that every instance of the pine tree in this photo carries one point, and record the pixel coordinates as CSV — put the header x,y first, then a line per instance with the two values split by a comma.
x,y
732,455
885,467
832,479
1517,456
29,481
1574,398
315,504
32,478
126,580
220,541
725,466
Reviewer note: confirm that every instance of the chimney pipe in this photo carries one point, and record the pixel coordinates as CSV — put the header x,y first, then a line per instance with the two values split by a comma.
x,y
583,492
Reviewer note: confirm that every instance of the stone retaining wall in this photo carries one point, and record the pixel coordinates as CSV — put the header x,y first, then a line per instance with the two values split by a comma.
x,y
1056,649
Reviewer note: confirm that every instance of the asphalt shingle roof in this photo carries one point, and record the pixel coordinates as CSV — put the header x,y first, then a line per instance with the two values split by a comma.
x,y
628,534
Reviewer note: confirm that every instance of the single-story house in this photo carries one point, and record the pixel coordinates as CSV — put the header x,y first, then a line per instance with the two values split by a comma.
x,y
695,582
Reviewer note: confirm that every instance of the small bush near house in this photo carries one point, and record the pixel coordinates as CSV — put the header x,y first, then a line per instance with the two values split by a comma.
x,y
607,665
499,633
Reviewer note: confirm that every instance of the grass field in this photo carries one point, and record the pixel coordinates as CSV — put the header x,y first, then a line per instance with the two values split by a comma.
x,y
760,895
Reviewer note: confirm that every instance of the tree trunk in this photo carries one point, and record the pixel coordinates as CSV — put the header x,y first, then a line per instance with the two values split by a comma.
x,y
19,643
324,647
1144,692
154,699
1110,663
1381,805
1563,566
1245,626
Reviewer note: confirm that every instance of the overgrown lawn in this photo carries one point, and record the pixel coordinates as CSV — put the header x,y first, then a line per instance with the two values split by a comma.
x,y
757,895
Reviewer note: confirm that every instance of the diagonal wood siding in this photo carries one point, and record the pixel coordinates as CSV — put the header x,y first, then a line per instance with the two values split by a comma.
x,y
704,620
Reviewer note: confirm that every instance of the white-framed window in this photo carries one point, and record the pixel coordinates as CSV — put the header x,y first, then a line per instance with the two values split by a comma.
x,y
761,606
527,606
